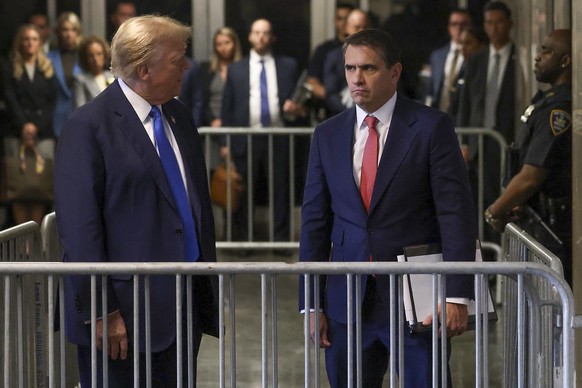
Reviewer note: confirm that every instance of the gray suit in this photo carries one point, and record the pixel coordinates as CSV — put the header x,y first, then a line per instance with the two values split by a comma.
x,y
85,88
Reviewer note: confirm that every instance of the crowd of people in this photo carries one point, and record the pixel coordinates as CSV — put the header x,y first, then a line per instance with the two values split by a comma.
x,y
472,77
409,171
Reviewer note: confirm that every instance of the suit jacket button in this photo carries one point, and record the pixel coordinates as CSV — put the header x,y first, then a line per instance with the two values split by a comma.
x,y
179,232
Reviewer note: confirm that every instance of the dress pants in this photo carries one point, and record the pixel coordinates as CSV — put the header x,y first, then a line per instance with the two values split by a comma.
x,y
121,371
375,348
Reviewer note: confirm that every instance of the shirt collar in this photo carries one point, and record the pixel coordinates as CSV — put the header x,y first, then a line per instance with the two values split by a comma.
x,y
502,51
141,107
254,57
455,46
383,114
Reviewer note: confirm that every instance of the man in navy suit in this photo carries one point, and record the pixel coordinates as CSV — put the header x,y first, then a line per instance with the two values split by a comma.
x,y
415,191
242,106
118,201
446,61
482,106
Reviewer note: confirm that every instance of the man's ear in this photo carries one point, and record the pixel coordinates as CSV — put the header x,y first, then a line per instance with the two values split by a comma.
x,y
143,71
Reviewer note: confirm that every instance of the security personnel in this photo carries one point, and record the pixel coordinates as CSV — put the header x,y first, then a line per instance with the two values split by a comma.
x,y
539,196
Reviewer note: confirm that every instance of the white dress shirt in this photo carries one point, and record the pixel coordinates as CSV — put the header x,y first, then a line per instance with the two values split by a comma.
x,y
504,54
142,108
384,116
255,89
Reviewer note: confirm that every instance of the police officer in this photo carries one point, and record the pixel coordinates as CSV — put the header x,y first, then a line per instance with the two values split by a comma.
x,y
541,191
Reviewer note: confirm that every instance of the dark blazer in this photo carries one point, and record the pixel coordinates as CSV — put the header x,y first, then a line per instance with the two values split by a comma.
x,y
235,101
114,204
421,195
191,92
334,81
29,101
437,67
85,88
64,105
472,99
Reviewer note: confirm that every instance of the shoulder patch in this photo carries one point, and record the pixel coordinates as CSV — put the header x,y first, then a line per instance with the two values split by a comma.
x,y
560,121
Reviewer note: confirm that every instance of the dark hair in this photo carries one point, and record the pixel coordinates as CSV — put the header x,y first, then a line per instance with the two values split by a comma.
x,y
478,33
85,43
498,6
462,11
344,6
379,40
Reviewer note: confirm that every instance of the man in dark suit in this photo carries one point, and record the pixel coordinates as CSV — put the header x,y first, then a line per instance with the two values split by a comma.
x,y
488,96
446,61
257,94
130,186
383,175
337,97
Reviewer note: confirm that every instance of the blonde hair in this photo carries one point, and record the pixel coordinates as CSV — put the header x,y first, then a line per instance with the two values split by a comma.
x,y
227,31
138,39
72,18
42,62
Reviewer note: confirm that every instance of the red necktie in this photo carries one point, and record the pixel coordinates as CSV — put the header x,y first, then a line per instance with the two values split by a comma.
x,y
369,162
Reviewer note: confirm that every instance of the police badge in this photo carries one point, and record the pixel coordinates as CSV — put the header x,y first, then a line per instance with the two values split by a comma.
x,y
560,121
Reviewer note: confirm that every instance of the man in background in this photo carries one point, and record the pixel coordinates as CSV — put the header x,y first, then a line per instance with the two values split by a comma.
x,y
541,188
257,94
488,99
337,97
315,71
446,61
123,10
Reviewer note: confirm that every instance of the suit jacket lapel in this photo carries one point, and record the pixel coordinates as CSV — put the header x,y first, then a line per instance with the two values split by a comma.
x,y
400,137
130,125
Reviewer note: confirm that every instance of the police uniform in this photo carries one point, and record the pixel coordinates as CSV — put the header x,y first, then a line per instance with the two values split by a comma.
x,y
545,140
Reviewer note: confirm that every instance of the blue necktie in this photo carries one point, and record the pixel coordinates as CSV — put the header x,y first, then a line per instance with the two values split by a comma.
x,y
265,115
170,164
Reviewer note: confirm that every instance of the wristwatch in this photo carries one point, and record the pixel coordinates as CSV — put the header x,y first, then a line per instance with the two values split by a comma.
x,y
489,218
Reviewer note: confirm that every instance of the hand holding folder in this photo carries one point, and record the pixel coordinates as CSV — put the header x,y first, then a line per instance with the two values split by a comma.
x,y
418,288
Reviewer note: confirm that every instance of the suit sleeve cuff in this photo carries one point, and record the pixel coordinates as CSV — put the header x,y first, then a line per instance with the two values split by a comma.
x,y
464,301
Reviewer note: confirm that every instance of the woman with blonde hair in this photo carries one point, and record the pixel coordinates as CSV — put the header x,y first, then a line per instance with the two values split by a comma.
x,y
226,51
65,61
94,59
30,94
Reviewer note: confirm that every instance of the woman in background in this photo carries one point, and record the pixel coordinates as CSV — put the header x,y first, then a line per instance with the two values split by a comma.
x,y
65,61
30,95
226,51
94,78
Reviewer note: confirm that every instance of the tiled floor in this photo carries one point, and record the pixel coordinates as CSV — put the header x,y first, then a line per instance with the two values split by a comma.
x,y
290,355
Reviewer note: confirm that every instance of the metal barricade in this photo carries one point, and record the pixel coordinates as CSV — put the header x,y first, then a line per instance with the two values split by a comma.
x,y
271,273
519,246
23,325
66,372
211,136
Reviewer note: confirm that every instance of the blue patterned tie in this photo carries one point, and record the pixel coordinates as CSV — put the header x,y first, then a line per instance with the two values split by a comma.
x,y
265,115
170,164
